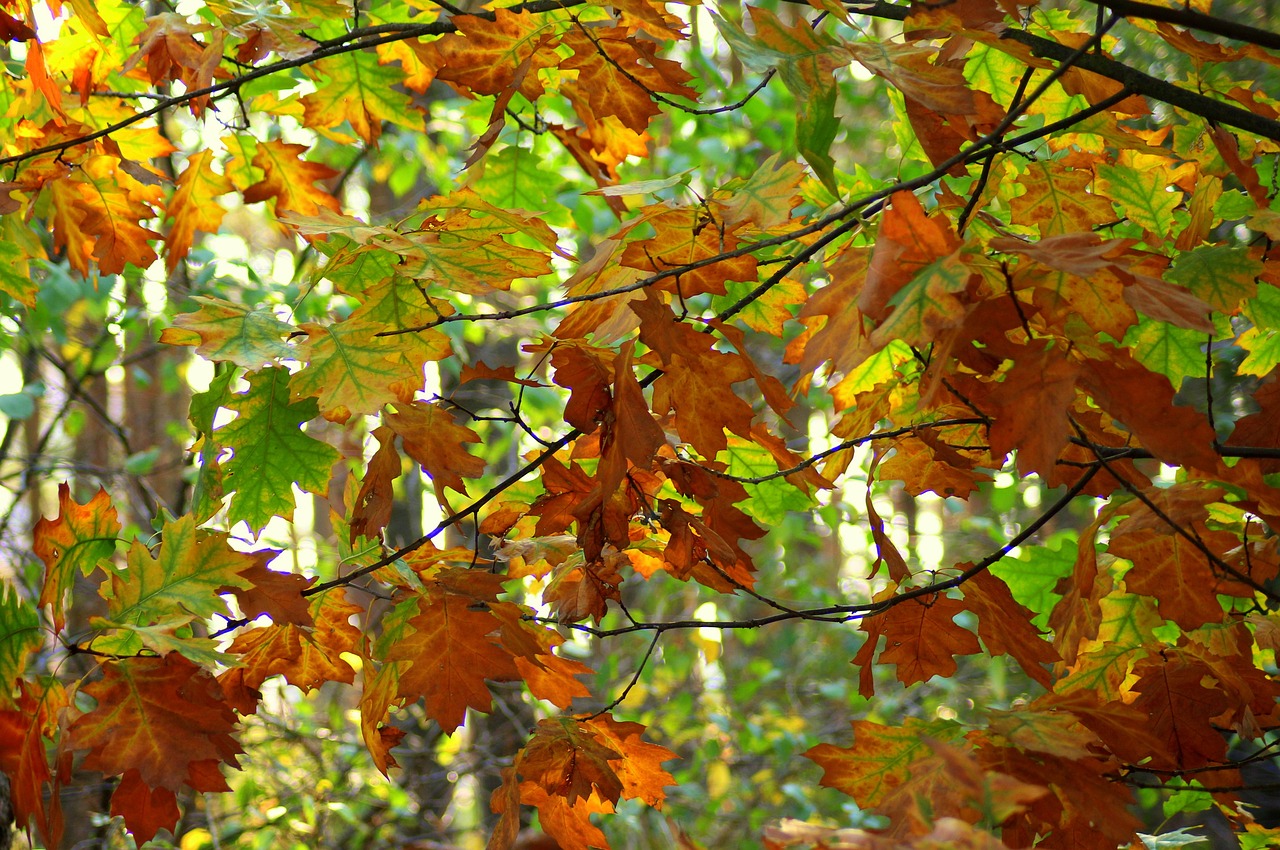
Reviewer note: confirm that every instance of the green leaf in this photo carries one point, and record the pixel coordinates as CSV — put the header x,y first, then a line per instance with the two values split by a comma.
x,y
271,451
206,496
770,500
1032,576
1264,308
1221,275
1174,352
131,638
251,338
181,582
514,178
17,405
1264,351
815,131
1139,196
358,90
353,267
994,72
19,637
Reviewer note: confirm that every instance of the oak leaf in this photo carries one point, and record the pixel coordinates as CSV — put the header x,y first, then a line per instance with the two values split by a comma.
x,y
276,594
194,206
24,760
290,180
922,639
145,810
620,72
271,453
886,768
1180,698
906,242
629,433
454,648
357,88
1176,573
306,656
164,717
183,580
77,541
351,370
1005,626
435,440
1055,200
482,56
1031,408
372,509
226,331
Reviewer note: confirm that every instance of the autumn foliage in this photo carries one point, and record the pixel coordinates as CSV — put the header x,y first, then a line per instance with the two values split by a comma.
x,y
1059,269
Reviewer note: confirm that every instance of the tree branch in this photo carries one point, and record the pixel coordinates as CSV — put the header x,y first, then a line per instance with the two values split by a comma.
x,y
1192,19
1138,82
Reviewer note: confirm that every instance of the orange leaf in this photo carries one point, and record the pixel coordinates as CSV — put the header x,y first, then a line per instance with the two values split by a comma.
x,y
77,541
619,70
567,758
641,768
841,337
111,206
697,379
923,462
454,649
1128,392
24,760
940,88
372,509
629,432
194,206
433,439
907,241
554,678
290,179
483,55
276,594
1175,572
685,236
1181,697
1039,430
145,810
164,717
480,371
568,823
306,657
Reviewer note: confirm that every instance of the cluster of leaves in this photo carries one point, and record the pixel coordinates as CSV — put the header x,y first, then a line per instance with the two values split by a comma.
x,y
1071,253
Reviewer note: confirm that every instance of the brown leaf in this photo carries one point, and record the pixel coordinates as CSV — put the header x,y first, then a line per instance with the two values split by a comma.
x,y
276,594
922,639
1005,626
374,502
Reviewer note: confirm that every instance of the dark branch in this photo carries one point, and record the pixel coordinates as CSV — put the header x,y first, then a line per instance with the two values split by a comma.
x,y
1136,81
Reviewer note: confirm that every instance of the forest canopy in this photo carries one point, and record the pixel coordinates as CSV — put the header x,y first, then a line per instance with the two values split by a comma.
x,y
771,425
